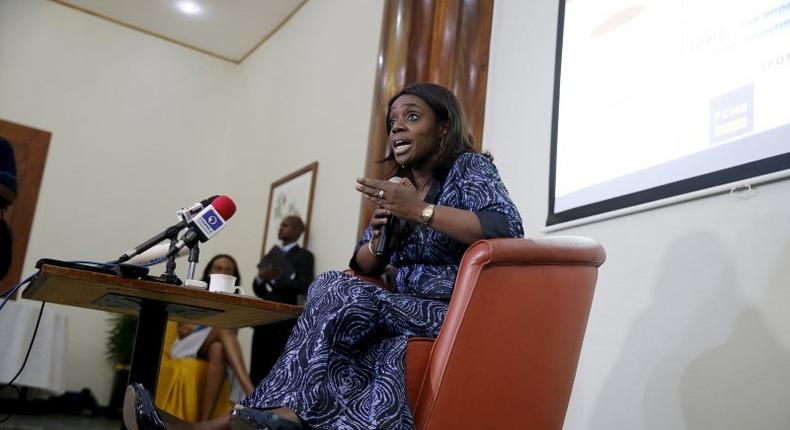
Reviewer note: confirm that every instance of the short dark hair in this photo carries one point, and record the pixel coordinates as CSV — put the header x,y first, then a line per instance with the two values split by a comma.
x,y
217,257
299,222
447,109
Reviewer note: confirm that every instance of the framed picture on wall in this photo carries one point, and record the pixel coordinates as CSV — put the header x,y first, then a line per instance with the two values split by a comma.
x,y
290,195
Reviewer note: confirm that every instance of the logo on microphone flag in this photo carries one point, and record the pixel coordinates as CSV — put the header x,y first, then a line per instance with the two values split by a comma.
x,y
210,222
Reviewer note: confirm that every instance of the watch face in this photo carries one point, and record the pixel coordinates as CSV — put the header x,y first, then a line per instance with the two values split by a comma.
x,y
427,213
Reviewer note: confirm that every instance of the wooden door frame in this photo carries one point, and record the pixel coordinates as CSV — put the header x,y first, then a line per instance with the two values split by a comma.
x,y
31,146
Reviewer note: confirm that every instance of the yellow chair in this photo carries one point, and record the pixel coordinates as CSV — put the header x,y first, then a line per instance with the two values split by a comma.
x,y
182,381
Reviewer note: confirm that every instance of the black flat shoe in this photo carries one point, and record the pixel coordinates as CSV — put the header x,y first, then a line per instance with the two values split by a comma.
x,y
139,412
257,419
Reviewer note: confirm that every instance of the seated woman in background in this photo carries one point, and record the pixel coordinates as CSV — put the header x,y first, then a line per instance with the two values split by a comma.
x,y
219,346
343,366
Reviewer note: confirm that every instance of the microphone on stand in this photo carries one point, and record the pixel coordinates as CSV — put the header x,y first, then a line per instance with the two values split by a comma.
x,y
202,220
169,232
200,227
186,215
206,223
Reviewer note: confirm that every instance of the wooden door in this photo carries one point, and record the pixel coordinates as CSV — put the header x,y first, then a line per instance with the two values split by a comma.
x,y
30,150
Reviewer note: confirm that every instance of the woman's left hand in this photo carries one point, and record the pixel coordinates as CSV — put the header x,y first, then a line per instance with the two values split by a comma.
x,y
399,197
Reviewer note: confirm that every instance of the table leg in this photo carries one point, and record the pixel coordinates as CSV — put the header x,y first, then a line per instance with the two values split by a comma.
x,y
148,342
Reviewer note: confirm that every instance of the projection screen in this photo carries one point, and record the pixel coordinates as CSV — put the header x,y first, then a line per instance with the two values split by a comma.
x,y
659,98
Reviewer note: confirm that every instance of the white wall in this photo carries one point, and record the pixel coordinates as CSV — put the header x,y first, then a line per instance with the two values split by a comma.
x,y
132,118
142,127
305,95
689,322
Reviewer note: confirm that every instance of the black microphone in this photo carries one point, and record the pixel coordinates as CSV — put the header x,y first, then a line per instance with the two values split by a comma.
x,y
385,235
386,230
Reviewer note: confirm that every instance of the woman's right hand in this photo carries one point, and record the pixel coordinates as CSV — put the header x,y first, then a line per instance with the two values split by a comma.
x,y
366,260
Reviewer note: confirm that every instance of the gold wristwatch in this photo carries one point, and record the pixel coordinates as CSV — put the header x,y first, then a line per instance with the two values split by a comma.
x,y
427,214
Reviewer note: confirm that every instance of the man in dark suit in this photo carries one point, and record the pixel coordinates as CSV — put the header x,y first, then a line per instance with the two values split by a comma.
x,y
285,272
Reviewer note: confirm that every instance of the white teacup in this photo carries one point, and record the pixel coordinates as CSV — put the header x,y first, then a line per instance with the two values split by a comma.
x,y
221,283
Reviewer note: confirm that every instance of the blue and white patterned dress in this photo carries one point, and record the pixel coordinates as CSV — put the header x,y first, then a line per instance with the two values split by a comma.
x,y
343,366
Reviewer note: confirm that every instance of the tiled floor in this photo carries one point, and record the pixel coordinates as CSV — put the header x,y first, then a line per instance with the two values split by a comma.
x,y
58,422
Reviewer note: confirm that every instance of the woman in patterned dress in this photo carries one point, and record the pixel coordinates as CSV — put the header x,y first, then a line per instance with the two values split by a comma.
x,y
343,366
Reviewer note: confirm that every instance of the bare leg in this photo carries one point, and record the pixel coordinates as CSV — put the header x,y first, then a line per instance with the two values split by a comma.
x,y
232,354
215,374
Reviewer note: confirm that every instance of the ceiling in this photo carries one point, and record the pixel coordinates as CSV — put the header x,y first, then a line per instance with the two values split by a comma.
x,y
226,29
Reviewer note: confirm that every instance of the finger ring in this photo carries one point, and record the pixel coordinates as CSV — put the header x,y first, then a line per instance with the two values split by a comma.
x,y
380,194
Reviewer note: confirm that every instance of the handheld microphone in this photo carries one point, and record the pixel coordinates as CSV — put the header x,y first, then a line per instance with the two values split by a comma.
x,y
206,223
155,255
385,232
171,231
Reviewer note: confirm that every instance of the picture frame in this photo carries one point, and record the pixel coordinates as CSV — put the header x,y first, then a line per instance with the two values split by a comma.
x,y
290,195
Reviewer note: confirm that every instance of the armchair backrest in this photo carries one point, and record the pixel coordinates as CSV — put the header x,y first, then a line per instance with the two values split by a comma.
x,y
507,354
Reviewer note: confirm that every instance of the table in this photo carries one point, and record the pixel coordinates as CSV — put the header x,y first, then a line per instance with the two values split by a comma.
x,y
154,303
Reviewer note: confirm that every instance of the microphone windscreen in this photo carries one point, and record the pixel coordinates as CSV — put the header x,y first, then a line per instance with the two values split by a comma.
x,y
224,206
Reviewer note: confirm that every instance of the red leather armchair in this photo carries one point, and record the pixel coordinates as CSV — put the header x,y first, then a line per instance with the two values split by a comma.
x,y
506,356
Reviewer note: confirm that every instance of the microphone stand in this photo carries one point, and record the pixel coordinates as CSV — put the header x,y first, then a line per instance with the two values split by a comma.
x,y
170,268
169,233
194,254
